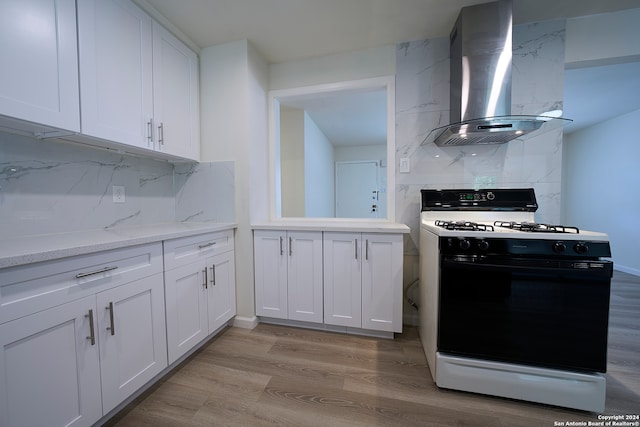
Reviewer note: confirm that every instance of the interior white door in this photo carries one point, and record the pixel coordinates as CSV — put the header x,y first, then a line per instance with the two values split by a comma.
x,y
357,189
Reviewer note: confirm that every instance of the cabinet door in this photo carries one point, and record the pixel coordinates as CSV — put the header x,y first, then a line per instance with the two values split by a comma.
x,y
186,299
175,95
382,282
39,76
304,276
49,370
133,345
342,277
115,47
221,290
270,266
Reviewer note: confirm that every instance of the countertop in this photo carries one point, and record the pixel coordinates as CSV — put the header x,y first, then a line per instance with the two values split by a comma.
x,y
329,224
29,249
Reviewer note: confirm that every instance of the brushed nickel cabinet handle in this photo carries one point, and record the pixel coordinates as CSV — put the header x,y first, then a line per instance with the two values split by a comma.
x,y
204,273
91,273
281,248
366,250
150,131
206,245
290,246
161,133
92,334
113,327
213,274
356,247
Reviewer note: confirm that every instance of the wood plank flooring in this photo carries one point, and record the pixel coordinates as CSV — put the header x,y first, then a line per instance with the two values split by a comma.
x,y
283,376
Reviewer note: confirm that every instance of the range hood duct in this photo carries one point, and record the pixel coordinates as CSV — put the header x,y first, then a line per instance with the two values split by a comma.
x,y
480,73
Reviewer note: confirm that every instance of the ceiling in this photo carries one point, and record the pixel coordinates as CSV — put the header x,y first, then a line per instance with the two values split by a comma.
x,y
290,30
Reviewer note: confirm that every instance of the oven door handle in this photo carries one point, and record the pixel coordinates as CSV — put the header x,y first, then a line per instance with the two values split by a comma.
x,y
591,268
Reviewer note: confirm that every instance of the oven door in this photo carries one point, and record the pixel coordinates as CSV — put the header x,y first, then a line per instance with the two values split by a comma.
x,y
540,312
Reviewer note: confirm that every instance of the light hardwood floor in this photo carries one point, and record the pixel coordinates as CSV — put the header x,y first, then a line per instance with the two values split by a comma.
x,y
283,376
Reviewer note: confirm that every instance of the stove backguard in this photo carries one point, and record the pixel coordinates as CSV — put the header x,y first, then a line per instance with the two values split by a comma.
x,y
497,199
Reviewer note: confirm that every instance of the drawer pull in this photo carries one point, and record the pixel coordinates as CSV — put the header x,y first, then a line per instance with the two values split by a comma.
x,y
113,327
206,245
91,273
92,334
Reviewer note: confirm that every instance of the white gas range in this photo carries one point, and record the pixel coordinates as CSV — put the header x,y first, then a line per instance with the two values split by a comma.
x,y
509,307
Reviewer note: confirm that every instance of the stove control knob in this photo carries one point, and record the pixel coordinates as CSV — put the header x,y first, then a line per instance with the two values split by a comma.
x,y
483,245
559,247
464,244
581,248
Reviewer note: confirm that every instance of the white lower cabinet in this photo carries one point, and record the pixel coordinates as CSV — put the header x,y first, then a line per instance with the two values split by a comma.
x,y
336,278
200,289
288,274
363,280
132,337
49,370
70,363
342,278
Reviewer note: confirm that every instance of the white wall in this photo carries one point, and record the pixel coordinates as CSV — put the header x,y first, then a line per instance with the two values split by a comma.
x,y
602,180
596,39
292,151
233,80
319,176
376,62
600,172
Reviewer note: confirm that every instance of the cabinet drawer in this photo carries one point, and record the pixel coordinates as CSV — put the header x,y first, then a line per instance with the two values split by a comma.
x,y
178,252
31,288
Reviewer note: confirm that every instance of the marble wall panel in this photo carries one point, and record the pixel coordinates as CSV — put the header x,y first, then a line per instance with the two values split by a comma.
x,y
55,187
205,192
422,103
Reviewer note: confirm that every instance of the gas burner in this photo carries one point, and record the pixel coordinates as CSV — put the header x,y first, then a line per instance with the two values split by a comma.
x,y
463,225
533,227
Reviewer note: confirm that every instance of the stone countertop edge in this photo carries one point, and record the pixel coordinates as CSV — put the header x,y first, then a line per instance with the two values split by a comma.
x,y
22,250
356,226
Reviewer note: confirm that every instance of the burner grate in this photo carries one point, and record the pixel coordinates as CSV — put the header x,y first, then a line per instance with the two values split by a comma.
x,y
463,225
533,227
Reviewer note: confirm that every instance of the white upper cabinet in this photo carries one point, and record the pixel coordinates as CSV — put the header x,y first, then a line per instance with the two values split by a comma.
x,y
116,59
39,72
138,83
175,96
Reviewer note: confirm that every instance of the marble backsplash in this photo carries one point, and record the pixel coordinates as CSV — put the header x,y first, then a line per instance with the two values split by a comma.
x,y
422,103
54,187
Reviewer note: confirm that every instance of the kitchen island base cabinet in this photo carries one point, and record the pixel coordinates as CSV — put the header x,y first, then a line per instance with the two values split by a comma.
x,y
288,274
363,280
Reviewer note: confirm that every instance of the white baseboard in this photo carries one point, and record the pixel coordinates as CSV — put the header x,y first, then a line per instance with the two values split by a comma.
x,y
627,270
245,322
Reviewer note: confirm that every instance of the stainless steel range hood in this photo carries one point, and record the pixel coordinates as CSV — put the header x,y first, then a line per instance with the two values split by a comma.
x,y
480,71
